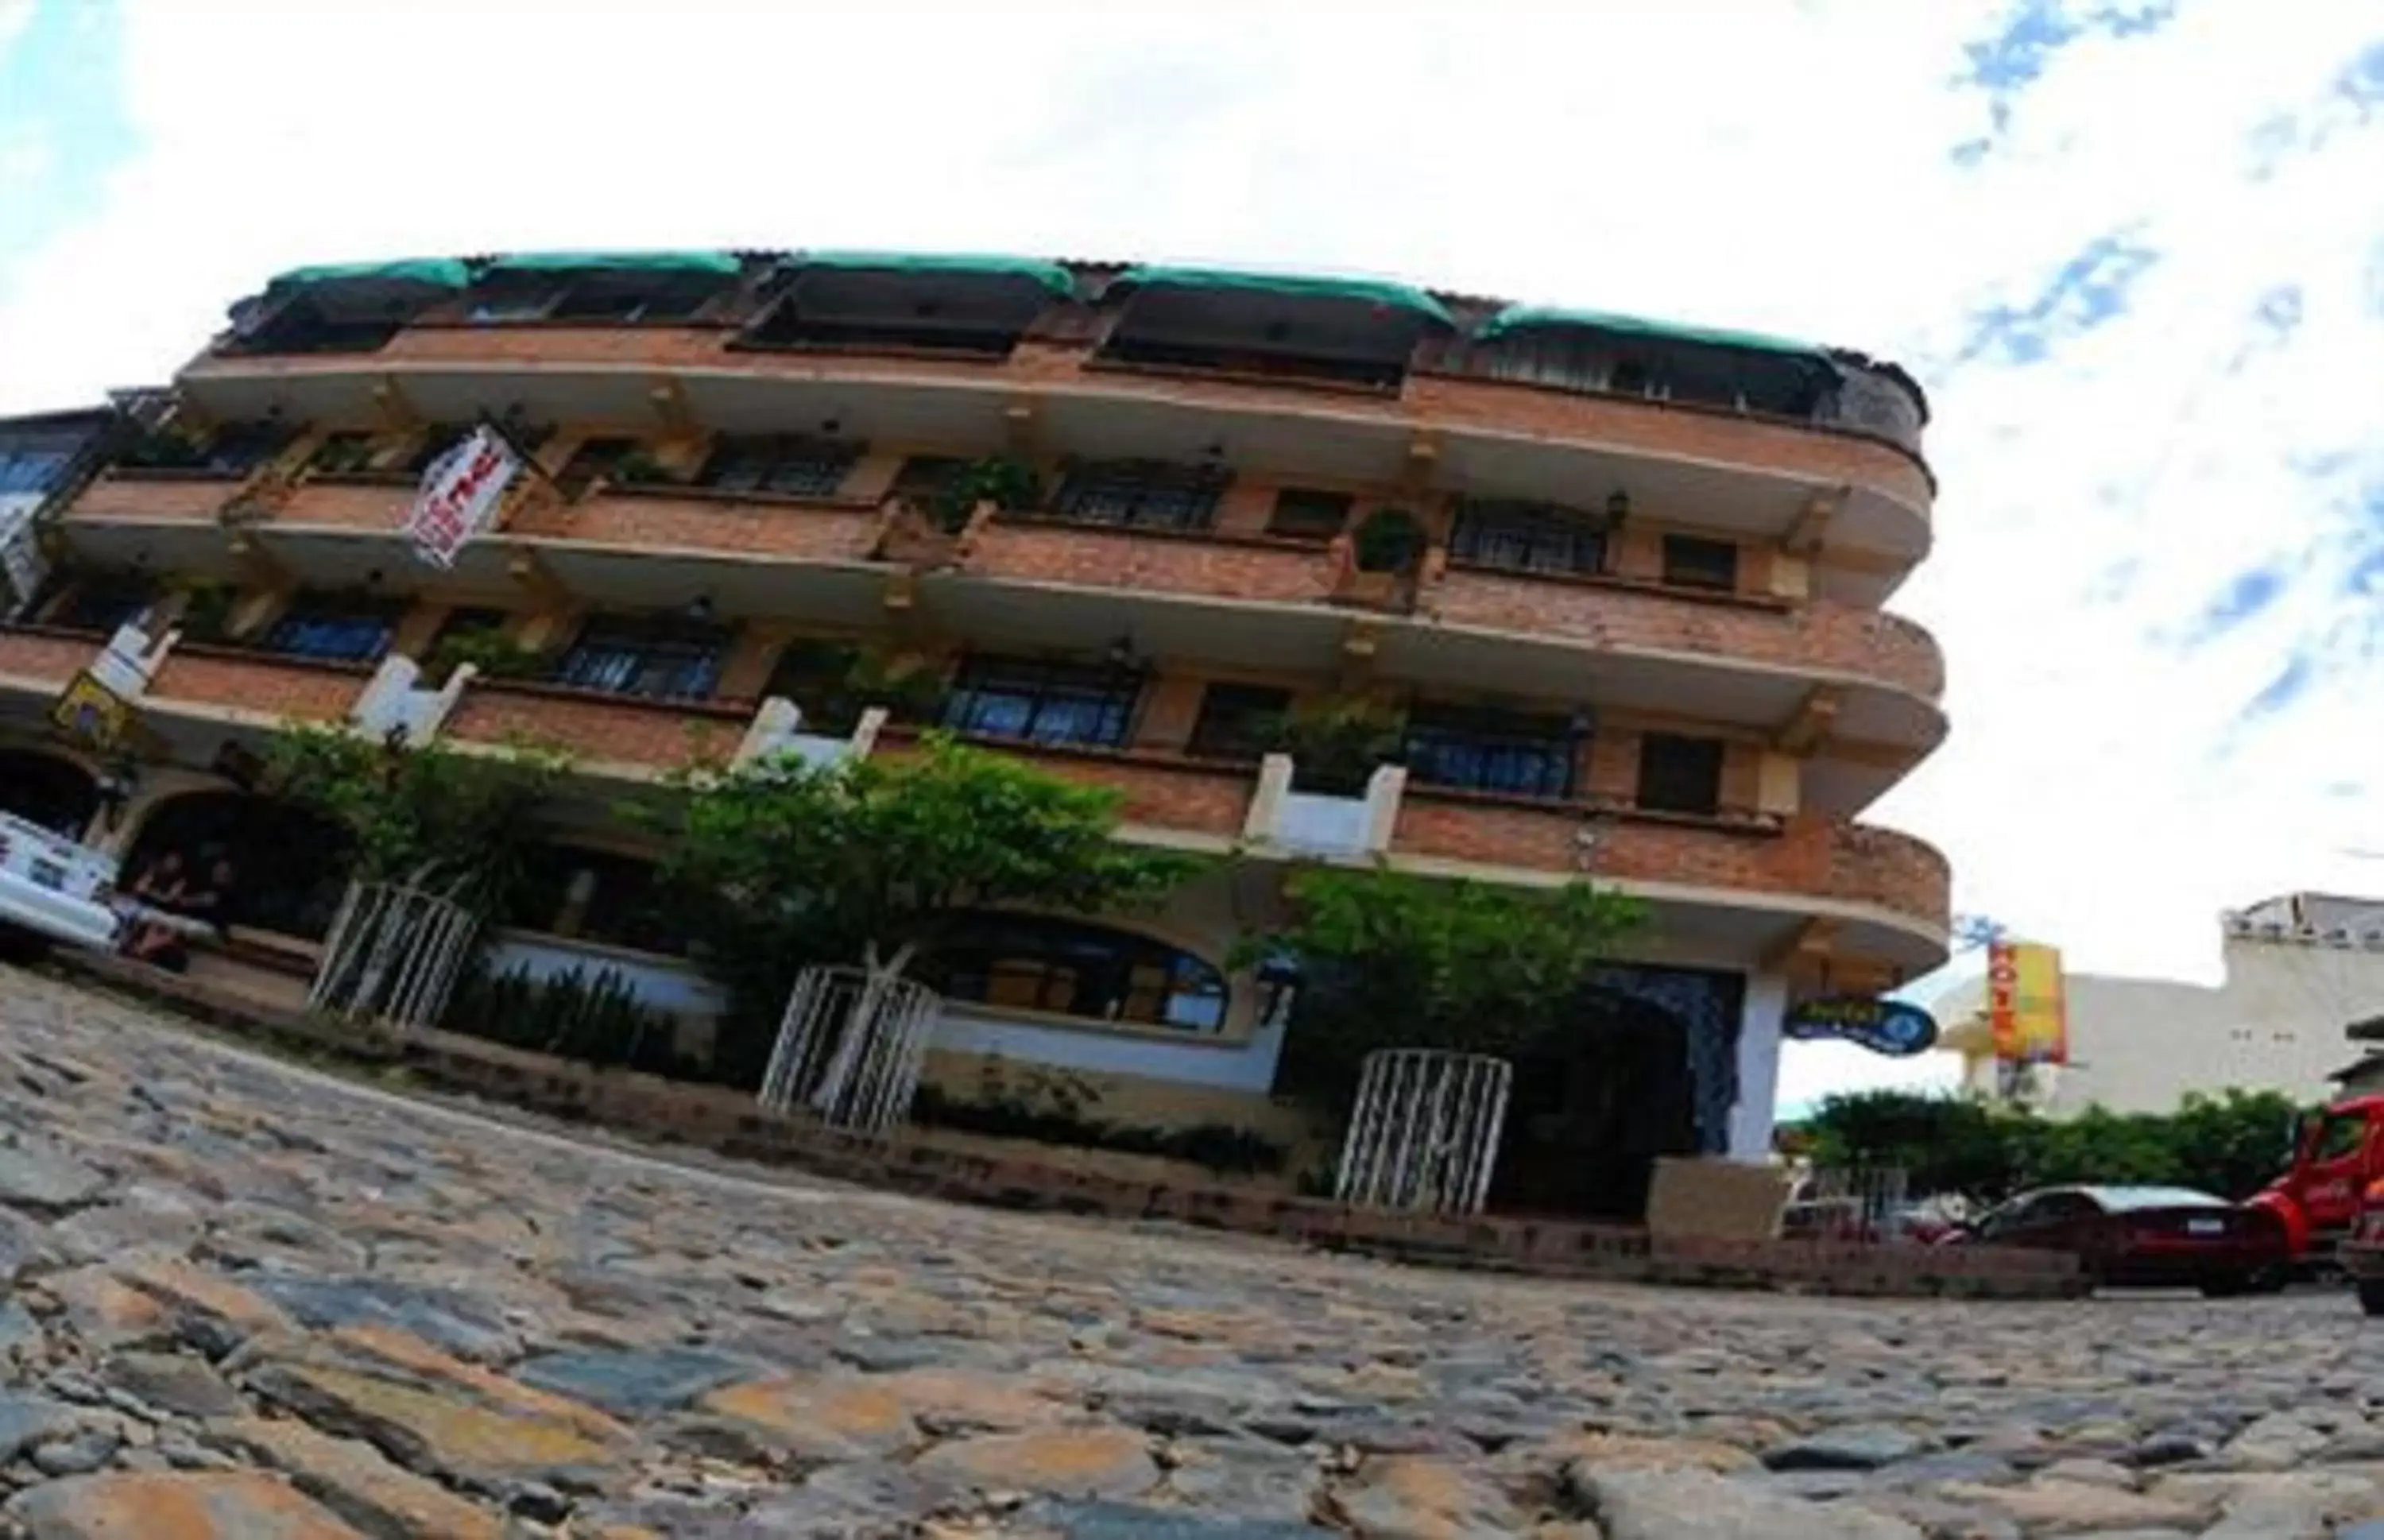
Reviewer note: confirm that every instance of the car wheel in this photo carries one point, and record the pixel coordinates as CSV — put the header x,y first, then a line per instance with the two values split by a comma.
x,y
2371,1295
21,946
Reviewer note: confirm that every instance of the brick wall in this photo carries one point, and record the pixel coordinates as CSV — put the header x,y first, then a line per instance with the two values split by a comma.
x,y
155,499
347,505
54,660
1814,857
1157,793
279,687
594,729
1108,558
1817,634
818,531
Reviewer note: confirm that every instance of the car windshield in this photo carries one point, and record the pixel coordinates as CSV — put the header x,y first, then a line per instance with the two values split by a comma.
x,y
2121,1199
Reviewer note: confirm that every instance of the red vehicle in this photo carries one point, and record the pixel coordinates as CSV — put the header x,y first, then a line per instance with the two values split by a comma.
x,y
2317,1199
2144,1236
2362,1253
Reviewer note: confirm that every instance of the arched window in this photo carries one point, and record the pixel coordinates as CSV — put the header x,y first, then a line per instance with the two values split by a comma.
x,y
53,793
288,868
1073,968
595,896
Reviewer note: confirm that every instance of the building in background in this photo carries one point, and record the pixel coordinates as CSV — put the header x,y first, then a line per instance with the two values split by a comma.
x,y
1617,586
2299,971
43,460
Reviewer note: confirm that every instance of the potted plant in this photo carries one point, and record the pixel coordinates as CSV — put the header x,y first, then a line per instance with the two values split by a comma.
x,y
490,652
206,613
909,687
1335,745
1380,558
1009,485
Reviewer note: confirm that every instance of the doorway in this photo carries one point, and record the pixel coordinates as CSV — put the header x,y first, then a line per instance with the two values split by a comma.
x,y
1594,1104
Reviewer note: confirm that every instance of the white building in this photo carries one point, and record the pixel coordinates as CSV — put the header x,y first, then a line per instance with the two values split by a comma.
x,y
2298,970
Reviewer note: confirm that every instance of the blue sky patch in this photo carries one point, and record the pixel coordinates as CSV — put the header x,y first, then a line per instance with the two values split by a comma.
x,y
2290,685
2091,288
63,123
2245,595
2015,57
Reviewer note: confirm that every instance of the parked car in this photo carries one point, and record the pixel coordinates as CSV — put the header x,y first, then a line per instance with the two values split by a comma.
x,y
52,890
2145,1235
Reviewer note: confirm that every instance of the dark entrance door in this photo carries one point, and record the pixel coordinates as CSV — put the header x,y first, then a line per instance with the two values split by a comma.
x,y
52,792
1594,1104
287,866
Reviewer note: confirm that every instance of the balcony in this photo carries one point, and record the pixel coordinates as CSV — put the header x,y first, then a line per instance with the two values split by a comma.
x,y
154,497
44,661
1742,471
684,519
1253,568
1852,864
1816,635
618,736
253,689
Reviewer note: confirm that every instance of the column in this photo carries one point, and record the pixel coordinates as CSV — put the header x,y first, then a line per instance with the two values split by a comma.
x,y
1758,1067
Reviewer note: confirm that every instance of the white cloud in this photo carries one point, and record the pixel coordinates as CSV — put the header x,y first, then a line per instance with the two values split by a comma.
x,y
1776,165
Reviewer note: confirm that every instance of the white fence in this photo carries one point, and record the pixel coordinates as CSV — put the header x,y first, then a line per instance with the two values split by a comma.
x,y
1423,1137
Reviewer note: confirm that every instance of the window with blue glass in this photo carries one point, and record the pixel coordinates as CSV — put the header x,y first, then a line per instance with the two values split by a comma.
x,y
334,628
1511,754
655,658
1073,968
27,469
1089,705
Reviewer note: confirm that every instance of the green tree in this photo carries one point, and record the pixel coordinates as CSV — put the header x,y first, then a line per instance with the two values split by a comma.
x,y
431,817
783,864
1944,1143
1392,960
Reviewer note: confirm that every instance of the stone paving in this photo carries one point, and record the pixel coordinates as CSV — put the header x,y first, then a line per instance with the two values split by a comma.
x,y
250,1302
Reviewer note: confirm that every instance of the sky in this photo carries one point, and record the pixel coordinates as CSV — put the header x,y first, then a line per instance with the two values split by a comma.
x,y
2133,248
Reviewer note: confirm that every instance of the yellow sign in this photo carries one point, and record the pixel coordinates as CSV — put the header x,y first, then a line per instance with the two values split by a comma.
x,y
2026,1007
93,715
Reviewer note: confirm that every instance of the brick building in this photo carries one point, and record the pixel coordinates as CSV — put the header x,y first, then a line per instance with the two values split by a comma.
x,y
1617,585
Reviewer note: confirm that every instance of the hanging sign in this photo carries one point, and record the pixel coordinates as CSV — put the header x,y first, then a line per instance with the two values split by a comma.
x,y
460,495
91,715
2026,1008
1882,1026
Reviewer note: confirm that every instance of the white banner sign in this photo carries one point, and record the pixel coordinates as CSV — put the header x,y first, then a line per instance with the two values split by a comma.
x,y
460,495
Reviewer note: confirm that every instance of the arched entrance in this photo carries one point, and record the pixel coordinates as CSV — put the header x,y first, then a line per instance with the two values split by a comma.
x,y
289,866
1646,1068
56,793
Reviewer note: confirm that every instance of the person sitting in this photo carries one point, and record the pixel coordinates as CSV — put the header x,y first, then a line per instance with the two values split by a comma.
x,y
161,886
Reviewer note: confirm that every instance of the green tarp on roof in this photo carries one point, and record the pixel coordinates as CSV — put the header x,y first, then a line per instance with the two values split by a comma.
x,y
1541,317
714,264
1363,290
1051,274
436,272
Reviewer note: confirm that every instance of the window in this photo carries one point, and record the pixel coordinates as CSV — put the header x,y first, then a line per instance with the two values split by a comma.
x,y
593,461
1238,722
1141,494
343,453
614,298
596,895
27,469
1043,703
101,602
653,658
1680,774
1304,514
1072,968
1526,537
240,448
2339,1137
1508,752
334,628
513,300
791,466
1691,563
817,676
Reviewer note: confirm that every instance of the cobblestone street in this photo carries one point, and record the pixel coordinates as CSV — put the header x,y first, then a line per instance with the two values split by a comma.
x,y
252,1301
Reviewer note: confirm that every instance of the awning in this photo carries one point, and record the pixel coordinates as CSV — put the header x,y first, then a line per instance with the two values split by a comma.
x,y
669,264
1048,275
440,272
1378,292
1540,317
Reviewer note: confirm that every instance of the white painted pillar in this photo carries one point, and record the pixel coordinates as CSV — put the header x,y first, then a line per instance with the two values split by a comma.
x,y
1758,1067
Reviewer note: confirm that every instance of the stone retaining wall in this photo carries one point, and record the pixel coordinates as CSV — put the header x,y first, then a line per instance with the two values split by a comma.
x,y
726,1121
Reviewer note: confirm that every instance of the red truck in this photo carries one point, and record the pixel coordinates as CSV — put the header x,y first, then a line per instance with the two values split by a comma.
x,y
2320,1198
